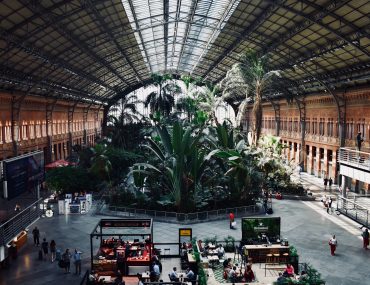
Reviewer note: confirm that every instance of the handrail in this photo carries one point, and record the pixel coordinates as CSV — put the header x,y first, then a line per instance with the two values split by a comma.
x,y
179,217
16,224
353,210
354,158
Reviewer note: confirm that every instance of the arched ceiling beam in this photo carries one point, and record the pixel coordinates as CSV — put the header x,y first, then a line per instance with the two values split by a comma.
x,y
246,33
107,30
132,8
45,13
165,32
189,21
22,44
325,26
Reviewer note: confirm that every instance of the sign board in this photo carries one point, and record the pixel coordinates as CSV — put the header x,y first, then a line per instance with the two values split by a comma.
x,y
254,228
23,173
125,224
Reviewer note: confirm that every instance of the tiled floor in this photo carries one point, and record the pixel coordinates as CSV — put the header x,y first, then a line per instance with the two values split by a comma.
x,y
305,224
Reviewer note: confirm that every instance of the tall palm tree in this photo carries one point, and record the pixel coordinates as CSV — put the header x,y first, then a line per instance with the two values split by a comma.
x,y
127,109
254,71
163,99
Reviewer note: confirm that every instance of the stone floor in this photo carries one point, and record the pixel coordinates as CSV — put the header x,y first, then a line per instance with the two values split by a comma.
x,y
305,224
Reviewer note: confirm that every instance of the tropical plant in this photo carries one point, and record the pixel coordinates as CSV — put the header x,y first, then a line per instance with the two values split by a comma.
x,y
163,99
126,107
188,106
180,163
254,70
208,100
101,166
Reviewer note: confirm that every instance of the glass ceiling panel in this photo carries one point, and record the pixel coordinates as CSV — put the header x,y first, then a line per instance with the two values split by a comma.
x,y
190,23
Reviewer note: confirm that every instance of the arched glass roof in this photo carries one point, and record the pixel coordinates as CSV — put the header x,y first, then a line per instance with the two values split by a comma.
x,y
97,50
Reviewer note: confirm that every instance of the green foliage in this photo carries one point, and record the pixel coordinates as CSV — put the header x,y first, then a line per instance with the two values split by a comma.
x,y
71,179
229,243
211,240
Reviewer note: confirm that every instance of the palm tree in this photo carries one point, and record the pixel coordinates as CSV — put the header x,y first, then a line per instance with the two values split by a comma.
x,y
101,166
127,109
208,101
254,71
163,99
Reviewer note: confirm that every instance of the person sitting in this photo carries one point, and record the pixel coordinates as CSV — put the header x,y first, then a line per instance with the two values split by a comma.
x,y
220,251
190,276
289,271
232,275
249,274
281,279
303,276
173,275
227,263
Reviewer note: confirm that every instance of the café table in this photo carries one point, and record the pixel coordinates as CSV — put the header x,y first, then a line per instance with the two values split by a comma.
x,y
213,260
182,276
146,276
211,246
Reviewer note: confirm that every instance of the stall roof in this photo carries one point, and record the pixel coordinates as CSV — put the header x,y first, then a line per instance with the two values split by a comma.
x,y
98,50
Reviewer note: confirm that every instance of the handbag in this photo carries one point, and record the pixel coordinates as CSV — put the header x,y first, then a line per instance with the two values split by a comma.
x,y
61,263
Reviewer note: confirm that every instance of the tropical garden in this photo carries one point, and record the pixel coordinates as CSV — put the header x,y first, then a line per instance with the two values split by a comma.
x,y
182,157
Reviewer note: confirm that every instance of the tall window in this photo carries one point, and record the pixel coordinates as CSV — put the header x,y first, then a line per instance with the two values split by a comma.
x,y
321,127
314,126
308,126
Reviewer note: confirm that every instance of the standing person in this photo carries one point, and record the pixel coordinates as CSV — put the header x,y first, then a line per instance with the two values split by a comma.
x,y
365,237
333,245
36,236
66,257
325,182
53,249
330,183
45,248
359,141
330,201
77,261
231,217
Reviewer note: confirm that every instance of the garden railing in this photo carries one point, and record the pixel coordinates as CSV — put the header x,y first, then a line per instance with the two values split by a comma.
x,y
183,218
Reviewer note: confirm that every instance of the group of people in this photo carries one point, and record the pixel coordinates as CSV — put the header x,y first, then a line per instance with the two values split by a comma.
x,y
289,273
189,275
328,181
327,202
64,259
234,274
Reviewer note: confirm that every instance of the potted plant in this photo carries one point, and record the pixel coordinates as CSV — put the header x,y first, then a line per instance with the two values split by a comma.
x,y
229,244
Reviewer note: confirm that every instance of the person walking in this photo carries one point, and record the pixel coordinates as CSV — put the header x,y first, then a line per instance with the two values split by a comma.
x,y
53,249
36,236
330,183
333,243
66,257
45,248
365,237
329,203
231,217
325,182
77,261
359,141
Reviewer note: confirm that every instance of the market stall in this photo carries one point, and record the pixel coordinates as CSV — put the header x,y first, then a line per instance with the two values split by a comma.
x,y
122,244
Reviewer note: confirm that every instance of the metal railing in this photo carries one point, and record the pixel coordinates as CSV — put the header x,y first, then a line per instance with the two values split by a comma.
x,y
20,222
353,210
183,218
354,158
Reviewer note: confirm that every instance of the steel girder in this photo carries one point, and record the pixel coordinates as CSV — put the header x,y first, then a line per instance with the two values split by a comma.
x,y
193,8
319,22
107,30
45,13
48,58
247,32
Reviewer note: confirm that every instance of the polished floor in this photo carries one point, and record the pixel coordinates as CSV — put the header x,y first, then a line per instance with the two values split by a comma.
x,y
305,224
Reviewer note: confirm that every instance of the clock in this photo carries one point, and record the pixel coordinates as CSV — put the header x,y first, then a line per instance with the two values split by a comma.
x,y
49,213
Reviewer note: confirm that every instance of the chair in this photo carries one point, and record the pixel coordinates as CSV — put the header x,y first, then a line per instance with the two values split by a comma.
x,y
284,258
269,258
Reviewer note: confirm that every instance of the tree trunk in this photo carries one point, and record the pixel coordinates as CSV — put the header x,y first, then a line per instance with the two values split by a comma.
x,y
257,113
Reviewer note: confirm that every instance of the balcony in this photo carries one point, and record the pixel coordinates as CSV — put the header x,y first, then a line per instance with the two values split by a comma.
x,y
356,159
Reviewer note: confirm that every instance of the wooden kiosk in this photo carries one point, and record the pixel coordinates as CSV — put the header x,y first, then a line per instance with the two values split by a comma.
x,y
121,244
